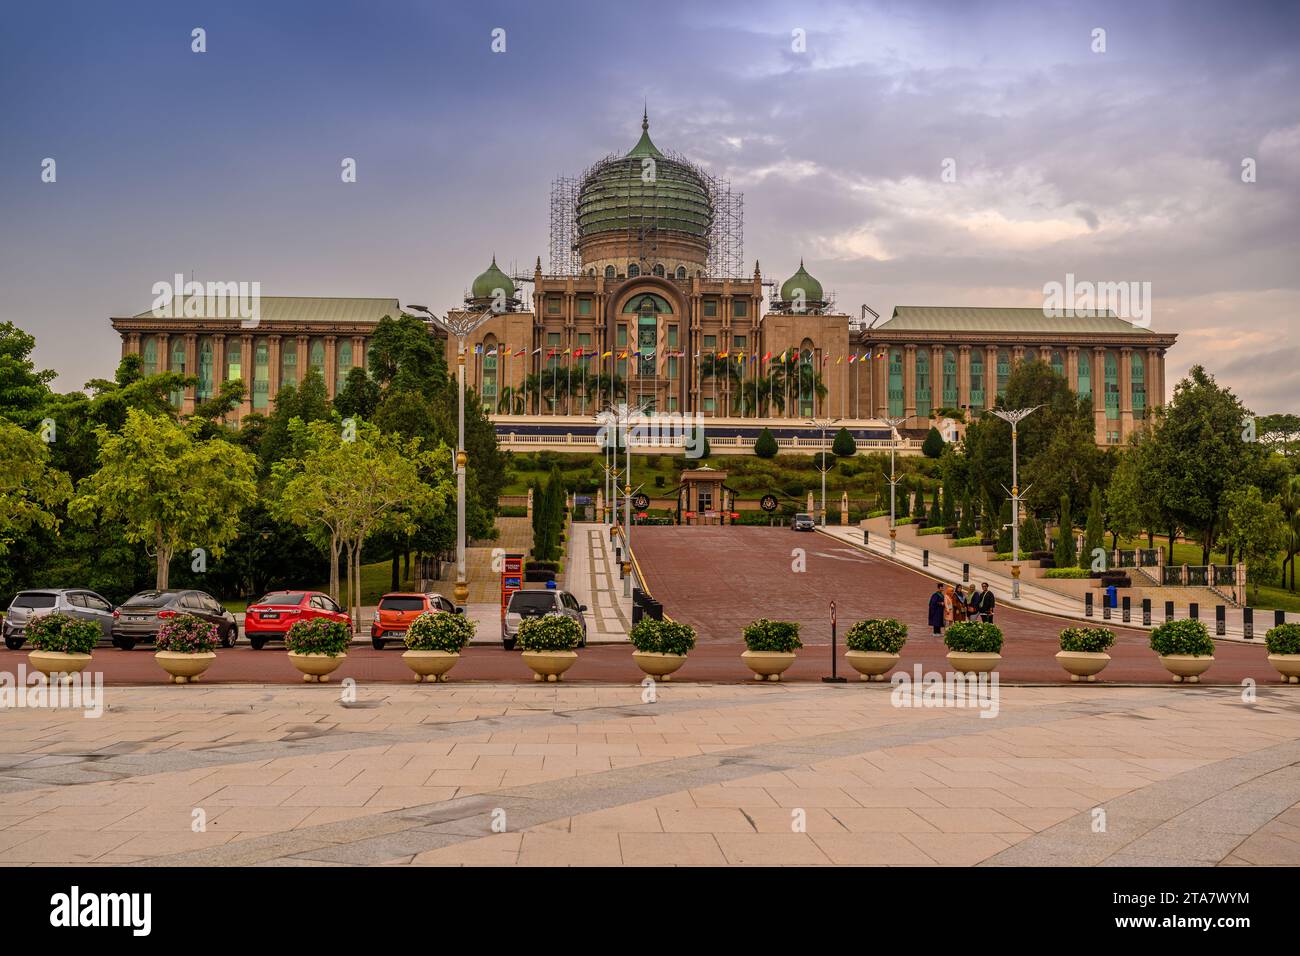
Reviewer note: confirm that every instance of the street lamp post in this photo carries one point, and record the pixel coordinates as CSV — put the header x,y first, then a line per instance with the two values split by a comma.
x,y
822,424
1014,417
461,325
622,416
893,424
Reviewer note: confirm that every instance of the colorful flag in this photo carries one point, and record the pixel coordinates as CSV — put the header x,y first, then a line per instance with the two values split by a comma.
x,y
606,355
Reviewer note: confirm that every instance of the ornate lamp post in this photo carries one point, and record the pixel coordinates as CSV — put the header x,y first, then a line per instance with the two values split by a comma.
x,y
893,424
1014,417
460,324
822,424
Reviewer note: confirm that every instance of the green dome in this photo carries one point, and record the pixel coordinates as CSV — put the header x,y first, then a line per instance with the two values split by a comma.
x,y
486,285
616,196
801,280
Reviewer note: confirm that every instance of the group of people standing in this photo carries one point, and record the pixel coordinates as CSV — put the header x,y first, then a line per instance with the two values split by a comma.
x,y
949,604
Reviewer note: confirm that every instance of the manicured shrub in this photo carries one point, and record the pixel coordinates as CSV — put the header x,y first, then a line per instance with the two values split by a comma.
x,y
1182,637
439,631
62,633
1032,537
885,635
551,632
651,636
966,527
965,542
318,636
778,636
932,447
765,445
1087,640
187,634
1283,639
939,530
1066,573
974,637
844,446
1065,555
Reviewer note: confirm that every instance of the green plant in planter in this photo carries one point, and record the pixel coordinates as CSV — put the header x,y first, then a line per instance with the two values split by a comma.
x,y
550,632
781,637
1283,639
318,636
439,631
885,635
974,637
187,634
1087,640
62,633
1182,637
662,637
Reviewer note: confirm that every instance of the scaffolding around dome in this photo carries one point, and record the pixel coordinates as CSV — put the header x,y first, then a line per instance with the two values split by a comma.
x,y
725,237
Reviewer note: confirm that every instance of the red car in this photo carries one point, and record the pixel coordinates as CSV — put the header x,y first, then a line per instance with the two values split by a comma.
x,y
396,612
273,615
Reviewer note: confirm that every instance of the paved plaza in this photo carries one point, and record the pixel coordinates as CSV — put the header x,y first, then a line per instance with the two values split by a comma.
x,y
703,774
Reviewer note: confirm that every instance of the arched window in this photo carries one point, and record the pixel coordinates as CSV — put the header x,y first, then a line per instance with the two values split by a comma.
x,y
203,391
317,352
647,334
489,392
681,272
609,272
288,361
149,355
633,271
809,369
896,383
659,269
1112,386
923,383
1138,388
976,378
949,379
1085,375
261,374
656,303
344,364
178,365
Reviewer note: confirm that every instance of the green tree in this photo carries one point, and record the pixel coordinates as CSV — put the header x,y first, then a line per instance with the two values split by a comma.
x,y
933,445
902,500
31,490
359,397
949,507
765,445
1065,556
966,527
1255,530
918,506
1004,529
1032,537
23,389
1094,532
843,446
168,489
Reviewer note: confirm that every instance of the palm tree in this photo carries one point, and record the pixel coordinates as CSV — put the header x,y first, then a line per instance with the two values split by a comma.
x,y
1289,502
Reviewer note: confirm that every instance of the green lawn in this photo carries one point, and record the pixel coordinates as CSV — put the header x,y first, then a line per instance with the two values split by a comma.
x,y
376,581
1186,552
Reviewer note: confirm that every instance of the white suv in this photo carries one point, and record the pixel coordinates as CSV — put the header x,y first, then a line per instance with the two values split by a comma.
x,y
538,603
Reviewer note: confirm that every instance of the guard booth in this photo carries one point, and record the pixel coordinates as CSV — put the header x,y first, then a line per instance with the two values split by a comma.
x,y
703,497
512,579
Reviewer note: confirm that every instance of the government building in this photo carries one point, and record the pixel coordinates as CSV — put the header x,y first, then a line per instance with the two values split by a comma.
x,y
647,300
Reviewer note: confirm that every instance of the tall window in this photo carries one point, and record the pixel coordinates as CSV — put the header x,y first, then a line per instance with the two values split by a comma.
x,y
633,271
809,366
922,383
1058,363
149,355
584,306
949,379
1004,370
344,365
318,356
1139,387
681,272
288,361
659,270
646,334
609,272
977,378
710,307
620,365
234,368
489,374
203,391
261,374
178,365
1112,386
1085,375
896,383
739,308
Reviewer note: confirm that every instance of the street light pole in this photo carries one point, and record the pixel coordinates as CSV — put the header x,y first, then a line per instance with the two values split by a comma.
x,y
1014,417
893,424
823,424
461,325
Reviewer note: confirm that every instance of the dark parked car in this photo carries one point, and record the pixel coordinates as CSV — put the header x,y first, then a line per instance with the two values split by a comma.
x,y
77,603
139,619
537,603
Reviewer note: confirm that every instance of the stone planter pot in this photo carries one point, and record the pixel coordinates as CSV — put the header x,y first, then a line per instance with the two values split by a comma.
x,y
658,665
973,662
430,666
1288,665
872,665
51,663
549,665
1186,667
185,668
316,667
768,665
1083,665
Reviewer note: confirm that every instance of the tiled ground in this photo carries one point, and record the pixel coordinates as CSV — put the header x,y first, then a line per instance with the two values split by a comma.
x,y
706,774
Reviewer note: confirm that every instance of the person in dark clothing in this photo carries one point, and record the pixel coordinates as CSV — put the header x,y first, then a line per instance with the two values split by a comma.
x,y
985,602
936,609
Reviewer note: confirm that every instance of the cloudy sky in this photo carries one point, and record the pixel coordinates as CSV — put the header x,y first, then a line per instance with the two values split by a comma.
x,y
1123,165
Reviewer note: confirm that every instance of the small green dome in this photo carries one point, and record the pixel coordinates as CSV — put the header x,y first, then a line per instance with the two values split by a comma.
x,y
487,284
801,284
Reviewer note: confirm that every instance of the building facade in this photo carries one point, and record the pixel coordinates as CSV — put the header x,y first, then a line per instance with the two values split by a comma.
x,y
289,336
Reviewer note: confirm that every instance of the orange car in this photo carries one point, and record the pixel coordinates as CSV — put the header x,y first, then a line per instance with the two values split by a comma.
x,y
399,609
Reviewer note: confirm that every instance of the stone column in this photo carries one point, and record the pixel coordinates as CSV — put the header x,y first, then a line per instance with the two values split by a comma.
x,y
880,369
191,368
1072,368
1017,355
218,361
331,364
273,373
1125,393
304,357
163,343
909,383
1155,384
963,376
246,372
1099,392
359,352
990,376
1045,353
936,376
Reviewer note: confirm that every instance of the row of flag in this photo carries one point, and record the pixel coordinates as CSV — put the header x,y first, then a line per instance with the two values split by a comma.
x,y
794,355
